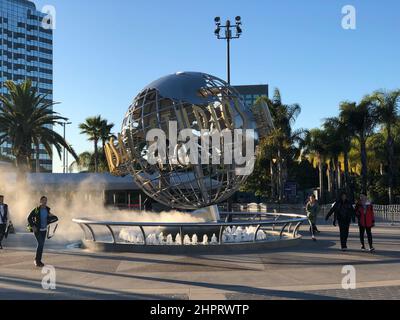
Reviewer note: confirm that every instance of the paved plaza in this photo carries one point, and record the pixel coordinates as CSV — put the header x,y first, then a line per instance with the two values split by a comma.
x,y
309,271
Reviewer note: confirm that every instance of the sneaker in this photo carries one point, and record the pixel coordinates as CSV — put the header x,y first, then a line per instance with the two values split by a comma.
x,y
39,264
344,249
372,250
363,248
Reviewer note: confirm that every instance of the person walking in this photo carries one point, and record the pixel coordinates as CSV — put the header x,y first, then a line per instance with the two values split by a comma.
x,y
344,213
4,216
312,209
366,221
38,220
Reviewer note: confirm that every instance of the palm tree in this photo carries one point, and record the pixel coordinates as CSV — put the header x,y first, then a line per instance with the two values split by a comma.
x,y
105,132
282,139
334,149
84,163
26,119
387,105
315,149
341,130
93,128
362,120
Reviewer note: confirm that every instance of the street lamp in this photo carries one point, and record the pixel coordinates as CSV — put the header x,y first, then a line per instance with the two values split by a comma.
x,y
228,37
64,124
67,161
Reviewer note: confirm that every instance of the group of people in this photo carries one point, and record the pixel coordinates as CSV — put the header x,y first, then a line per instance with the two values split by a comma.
x,y
38,221
344,213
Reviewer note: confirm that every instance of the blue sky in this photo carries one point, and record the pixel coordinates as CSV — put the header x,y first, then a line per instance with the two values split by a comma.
x,y
106,51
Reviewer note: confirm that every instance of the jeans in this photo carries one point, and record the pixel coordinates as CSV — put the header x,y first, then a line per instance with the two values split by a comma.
x,y
40,238
344,227
313,229
2,231
369,234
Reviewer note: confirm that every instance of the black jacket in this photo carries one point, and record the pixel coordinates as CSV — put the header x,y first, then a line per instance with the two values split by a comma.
x,y
5,217
34,220
343,212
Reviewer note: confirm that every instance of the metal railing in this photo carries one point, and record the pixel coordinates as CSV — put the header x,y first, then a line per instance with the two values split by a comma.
x,y
388,213
289,224
383,213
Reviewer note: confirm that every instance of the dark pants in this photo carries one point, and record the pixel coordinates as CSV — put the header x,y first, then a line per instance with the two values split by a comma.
x,y
2,231
40,238
344,227
369,234
313,229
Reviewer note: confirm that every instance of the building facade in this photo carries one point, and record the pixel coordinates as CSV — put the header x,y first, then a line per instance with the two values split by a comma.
x,y
26,52
250,93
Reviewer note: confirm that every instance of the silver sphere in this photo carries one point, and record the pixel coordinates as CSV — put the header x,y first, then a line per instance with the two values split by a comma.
x,y
194,101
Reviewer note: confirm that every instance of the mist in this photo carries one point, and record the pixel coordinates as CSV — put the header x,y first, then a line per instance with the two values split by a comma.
x,y
22,197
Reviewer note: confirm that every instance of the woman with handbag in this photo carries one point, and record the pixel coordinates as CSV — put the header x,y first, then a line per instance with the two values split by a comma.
x,y
366,221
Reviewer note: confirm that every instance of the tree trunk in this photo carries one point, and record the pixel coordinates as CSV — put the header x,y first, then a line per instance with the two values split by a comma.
x,y
321,180
364,165
280,178
21,162
96,157
346,170
284,177
338,184
272,180
37,159
391,168
330,178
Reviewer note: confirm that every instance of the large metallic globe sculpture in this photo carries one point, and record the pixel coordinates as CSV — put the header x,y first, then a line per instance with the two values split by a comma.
x,y
195,103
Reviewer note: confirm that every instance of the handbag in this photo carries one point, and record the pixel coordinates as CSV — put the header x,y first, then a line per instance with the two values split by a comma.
x,y
52,219
10,230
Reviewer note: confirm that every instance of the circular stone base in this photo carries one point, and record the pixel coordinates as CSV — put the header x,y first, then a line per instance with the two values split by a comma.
x,y
243,247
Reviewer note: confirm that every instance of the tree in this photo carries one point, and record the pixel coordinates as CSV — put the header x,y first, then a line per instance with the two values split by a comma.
x,y
282,140
26,119
386,106
316,150
105,132
85,163
362,120
340,133
93,127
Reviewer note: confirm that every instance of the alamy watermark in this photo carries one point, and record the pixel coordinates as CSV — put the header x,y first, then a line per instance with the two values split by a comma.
x,y
205,147
49,278
349,280
49,20
349,19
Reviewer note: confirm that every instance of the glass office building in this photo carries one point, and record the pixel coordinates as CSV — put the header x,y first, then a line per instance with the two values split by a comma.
x,y
26,52
251,93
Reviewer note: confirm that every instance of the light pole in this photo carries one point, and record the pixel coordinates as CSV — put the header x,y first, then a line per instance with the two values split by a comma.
x,y
228,37
64,124
67,161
